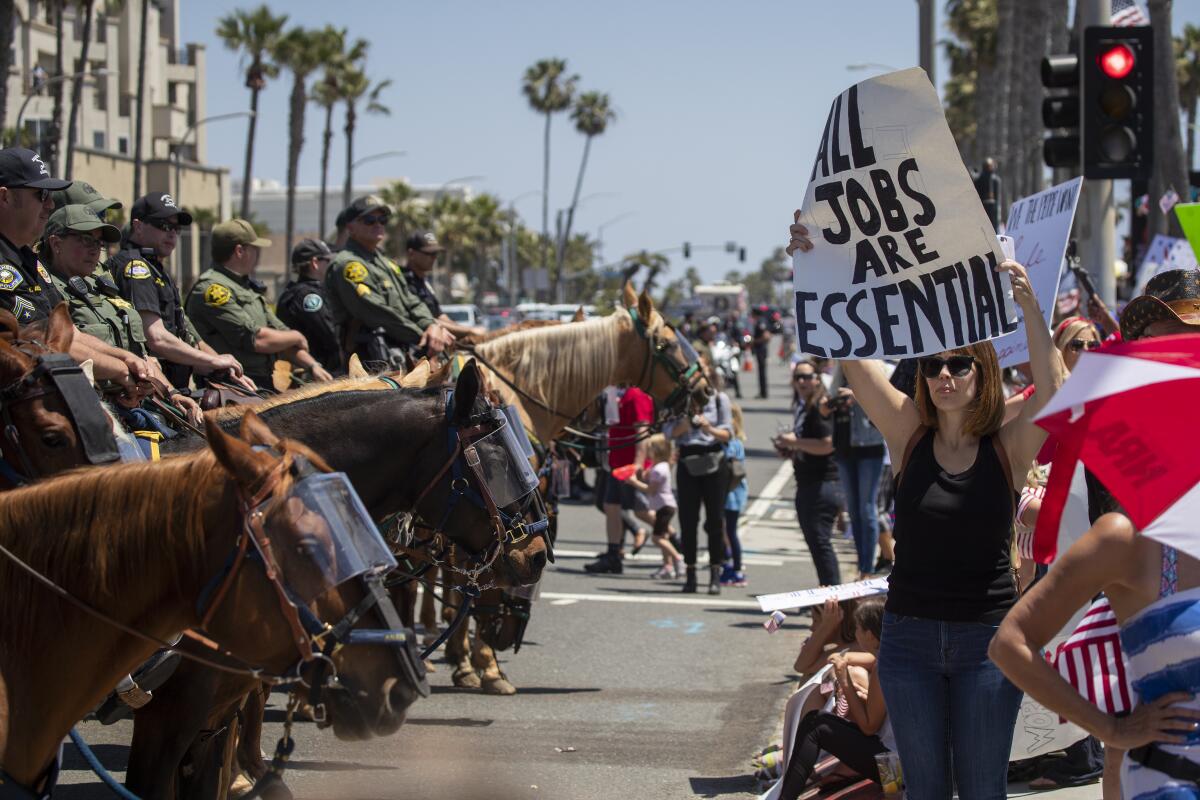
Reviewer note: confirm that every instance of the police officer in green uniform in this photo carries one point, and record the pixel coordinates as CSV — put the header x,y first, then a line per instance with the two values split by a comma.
x,y
370,297
26,289
145,282
230,311
70,249
83,193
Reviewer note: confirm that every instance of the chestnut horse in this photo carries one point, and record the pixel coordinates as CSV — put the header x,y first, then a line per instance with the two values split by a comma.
x,y
137,545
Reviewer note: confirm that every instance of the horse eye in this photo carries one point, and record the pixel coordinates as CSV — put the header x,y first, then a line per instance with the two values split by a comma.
x,y
54,440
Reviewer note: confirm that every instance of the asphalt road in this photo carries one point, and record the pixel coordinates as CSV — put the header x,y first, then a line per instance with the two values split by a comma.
x,y
626,688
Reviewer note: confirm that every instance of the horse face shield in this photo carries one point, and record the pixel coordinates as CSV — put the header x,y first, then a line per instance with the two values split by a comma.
x,y
499,460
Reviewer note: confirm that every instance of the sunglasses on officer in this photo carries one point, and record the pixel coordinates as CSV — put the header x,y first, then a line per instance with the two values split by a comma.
x,y
957,366
374,219
42,195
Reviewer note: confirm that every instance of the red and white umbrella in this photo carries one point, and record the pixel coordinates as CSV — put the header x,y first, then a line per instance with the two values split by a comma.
x,y
1129,413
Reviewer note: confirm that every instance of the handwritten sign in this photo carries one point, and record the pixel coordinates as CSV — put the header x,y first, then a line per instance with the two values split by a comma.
x,y
815,597
1040,226
904,256
1164,254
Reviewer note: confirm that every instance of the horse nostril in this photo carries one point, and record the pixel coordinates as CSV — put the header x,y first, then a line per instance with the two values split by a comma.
x,y
538,560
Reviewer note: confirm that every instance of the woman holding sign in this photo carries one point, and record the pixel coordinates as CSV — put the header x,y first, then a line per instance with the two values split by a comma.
x,y
952,710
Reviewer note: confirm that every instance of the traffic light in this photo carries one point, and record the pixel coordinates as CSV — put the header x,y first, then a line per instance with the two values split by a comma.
x,y
742,255
1117,72
687,250
1060,110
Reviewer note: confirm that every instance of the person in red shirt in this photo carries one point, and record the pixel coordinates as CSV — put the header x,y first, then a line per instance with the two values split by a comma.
x,y
627,446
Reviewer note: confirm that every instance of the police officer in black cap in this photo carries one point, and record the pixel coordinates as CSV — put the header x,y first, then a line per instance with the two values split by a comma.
x,y
139,273
303,305
26,288
421,255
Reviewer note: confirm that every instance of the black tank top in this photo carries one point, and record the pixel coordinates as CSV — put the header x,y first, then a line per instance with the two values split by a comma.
x,y
952,539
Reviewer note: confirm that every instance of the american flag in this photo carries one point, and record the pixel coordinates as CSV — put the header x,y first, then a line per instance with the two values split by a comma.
x,y
1091,660
1168,200
1128,13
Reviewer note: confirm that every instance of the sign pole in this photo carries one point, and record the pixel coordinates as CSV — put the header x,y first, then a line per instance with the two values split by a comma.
x,y
1097,212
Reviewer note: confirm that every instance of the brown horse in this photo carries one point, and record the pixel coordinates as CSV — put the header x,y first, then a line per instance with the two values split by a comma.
x,y
138,544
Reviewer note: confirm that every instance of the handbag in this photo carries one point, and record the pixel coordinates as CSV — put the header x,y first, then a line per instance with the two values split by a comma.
x,y
700,464
737,473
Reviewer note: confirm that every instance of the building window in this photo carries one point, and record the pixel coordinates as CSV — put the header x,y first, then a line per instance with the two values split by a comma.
x,y
98,140
101,23
171,92
123,145
99,89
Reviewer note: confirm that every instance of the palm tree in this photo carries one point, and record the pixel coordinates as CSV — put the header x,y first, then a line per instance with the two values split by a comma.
x,y
7,15
56,88
255,33
327,94
549,91
1170,169
355,87
302,52
88,7
592,114
410,213
1187,65
143,40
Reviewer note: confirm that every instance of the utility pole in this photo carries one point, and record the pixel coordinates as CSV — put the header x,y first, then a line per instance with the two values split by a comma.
x,y
927,37
1097,216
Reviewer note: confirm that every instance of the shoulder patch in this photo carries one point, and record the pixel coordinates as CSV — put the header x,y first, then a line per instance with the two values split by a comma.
x,y
362,290
355,272
10,279
119,302
392,264
137,269
216,295
313,302
43,273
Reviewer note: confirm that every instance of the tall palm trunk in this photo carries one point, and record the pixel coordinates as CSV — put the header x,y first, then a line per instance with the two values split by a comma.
x,y
141,102
1169,169
57,87
351,120
326,142
6,55
1191,131
546,205
566,234
244,211
77,85
295,145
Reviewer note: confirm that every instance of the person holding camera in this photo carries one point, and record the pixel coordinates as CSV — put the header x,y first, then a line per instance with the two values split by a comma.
x,y
810,446
703,480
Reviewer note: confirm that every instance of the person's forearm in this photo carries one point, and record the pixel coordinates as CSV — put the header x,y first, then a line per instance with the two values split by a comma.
x,y
99,346
301,357
857,708
270,341
170,347
814,447
1045,361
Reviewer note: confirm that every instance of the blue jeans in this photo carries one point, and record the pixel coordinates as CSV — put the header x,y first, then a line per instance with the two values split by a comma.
x,y
951,709
860,484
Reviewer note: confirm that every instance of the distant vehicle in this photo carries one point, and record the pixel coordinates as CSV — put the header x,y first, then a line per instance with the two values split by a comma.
x,y
565,312
464,314
534,311
720,299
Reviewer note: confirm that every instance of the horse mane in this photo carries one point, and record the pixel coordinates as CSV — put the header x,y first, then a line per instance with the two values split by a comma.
x,y
100,533
524,325
552,358
302,393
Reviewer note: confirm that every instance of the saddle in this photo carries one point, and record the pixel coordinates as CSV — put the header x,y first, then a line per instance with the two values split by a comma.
x,y
218,394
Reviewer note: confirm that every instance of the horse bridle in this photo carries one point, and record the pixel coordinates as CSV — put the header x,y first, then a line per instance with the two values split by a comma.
x,y
67,380
686,379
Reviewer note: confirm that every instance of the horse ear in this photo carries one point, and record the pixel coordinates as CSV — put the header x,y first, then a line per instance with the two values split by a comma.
x,y
60,331
8,325
416,377
255,431
465,391
629,296
355,369
645,307
236,456
579,315
441,375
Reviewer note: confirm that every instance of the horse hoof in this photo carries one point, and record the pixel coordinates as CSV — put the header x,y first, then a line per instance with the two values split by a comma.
x,y
271,787
499,686
466,679
241,786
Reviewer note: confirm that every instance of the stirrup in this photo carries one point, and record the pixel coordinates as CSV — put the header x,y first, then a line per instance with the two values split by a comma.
x,y
135,697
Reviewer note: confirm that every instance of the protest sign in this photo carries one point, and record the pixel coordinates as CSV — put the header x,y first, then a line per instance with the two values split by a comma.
x,y
1040,731
904,256
1189,220
815,597
1164,254
1040,226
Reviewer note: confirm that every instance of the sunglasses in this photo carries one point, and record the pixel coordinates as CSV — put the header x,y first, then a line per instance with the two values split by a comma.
x,y
85,240
378,219
41,194
1075,345
958,366
803,377
165,227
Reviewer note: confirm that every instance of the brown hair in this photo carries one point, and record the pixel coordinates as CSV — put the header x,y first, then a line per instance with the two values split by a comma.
x,y
986,412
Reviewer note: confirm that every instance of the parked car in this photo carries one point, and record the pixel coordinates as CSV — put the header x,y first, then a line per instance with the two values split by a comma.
x,y
464,314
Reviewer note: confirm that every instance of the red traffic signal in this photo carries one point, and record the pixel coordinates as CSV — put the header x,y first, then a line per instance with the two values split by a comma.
x,y
1117,61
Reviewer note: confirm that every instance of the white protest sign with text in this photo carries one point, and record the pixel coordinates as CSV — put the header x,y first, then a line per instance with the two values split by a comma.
x,y
1040,226
1165,253
904,257
815,597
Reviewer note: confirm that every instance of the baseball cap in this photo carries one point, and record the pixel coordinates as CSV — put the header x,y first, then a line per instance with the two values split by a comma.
x,y
363,205
229,234
156,206
83,193
424,241
80,218
23,167
1170,295
308,249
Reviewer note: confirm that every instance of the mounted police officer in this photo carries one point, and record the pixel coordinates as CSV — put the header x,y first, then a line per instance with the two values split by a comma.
x,y
143,280
230,311
25,285
71,250
370,298
304,307
421,255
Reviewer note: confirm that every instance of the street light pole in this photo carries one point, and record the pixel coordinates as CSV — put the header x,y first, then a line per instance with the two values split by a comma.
x,y
183,141
516,285
98,73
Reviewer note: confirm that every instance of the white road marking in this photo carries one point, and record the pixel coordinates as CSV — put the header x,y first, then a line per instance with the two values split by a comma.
x,y
563,602
770,492
656,558
651,598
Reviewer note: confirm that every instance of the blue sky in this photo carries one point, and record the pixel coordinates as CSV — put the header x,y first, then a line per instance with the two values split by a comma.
x,y
720,104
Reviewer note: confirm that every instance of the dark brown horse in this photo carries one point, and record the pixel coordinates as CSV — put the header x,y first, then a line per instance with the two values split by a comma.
x,y
138,544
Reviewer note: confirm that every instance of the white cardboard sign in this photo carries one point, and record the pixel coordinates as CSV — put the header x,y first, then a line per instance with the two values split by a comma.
x,y
815,597
904,256
1040,226
1164,253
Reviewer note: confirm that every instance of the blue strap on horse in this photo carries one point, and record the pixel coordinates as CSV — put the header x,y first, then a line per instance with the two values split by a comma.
x,y
94,763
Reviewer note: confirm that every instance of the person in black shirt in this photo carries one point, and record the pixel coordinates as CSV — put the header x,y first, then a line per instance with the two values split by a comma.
x,y
304,307
421,258
762,345
818,496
